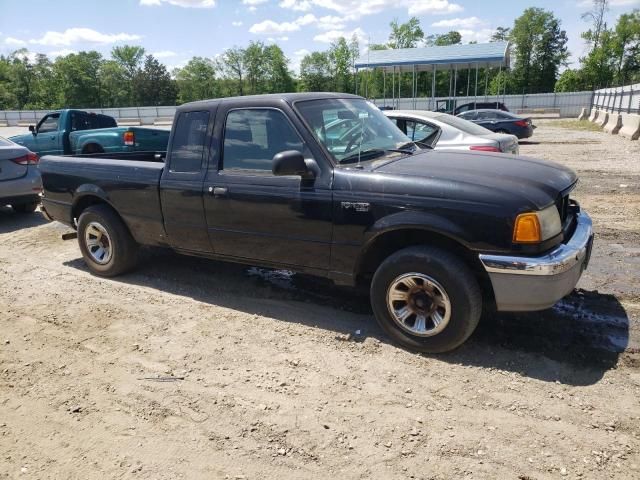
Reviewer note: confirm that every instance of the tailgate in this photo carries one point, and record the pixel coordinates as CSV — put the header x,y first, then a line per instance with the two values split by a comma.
x,y
150,139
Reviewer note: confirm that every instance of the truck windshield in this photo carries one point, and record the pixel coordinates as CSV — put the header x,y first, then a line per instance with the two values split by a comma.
x,y
353,130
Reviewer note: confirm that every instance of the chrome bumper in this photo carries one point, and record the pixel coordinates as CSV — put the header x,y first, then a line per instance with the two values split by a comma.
x,y
536,283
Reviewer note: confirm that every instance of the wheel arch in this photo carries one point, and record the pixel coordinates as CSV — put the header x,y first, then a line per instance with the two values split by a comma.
x,y
389,241
92,147
87,196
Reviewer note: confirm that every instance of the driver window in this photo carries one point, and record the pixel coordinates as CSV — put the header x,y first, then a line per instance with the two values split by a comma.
x,y
49,124
253,136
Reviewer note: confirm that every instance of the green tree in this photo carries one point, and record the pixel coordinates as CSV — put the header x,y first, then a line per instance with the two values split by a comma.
x,y
277,75
153,85
405,35
234,67
315,72
79,79
255,66
197,80
500,35
450,38
570,81
116,88
625,45
596,16
540,50
130,58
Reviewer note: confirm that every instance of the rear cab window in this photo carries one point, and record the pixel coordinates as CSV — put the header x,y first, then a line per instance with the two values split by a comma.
x,y
188,143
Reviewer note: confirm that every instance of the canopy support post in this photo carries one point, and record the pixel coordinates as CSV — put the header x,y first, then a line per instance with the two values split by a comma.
x,y
455,86
486,81
393,86
433,89
475,95
499,84
413,88
384,86
468,80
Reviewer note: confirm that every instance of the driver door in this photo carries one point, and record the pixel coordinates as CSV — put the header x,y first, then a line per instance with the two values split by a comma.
x,y
47,139
254,215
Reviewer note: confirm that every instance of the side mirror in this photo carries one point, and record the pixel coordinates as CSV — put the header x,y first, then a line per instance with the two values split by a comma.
x,y
32,129
291,162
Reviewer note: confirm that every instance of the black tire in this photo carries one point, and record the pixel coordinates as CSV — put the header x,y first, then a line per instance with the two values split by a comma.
x,y
123,248
452,275
92,148
25,207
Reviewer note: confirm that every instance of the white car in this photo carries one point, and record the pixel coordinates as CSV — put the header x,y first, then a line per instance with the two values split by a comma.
x,y
443,131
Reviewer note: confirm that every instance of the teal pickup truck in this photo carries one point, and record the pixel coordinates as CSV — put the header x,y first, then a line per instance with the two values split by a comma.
x,y
73,132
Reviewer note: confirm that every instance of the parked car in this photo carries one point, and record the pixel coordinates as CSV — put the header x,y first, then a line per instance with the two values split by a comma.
x,y
441,130
433,234
501,122
67,132
20,183
480,105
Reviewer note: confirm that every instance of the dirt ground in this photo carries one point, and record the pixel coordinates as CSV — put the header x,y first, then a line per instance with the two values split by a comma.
x,y
188,368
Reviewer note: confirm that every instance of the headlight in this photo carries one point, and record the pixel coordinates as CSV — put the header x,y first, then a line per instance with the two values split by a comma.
x,y
536,227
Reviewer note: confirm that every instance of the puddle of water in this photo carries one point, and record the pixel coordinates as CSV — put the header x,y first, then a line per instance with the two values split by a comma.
x,y
279,278
604,330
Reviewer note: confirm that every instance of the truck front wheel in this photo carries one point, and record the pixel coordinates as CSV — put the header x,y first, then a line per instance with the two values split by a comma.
x,y
426,299
105,242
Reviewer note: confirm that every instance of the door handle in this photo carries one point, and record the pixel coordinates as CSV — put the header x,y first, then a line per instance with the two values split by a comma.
x,y
218,191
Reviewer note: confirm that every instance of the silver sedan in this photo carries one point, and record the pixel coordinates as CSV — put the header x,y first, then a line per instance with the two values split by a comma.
x,y
20,183
444,131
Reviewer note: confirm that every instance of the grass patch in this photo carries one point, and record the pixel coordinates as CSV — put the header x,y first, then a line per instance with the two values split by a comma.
x,y
578,125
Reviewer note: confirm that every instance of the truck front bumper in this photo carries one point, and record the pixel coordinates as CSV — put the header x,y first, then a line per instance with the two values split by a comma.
x,y
537,283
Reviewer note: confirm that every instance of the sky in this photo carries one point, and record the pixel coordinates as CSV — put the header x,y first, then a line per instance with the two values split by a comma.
x,y
176,30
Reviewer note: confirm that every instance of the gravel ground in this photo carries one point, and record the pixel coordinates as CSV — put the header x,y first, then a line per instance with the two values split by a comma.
x,y
188,368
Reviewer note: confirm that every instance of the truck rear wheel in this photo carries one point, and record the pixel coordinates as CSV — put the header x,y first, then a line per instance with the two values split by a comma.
x,y
105,242
426,299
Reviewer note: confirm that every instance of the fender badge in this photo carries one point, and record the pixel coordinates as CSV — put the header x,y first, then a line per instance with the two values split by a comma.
x,y
356,206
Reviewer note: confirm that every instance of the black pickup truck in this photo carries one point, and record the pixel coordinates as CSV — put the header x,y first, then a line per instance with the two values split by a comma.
x,y
269,180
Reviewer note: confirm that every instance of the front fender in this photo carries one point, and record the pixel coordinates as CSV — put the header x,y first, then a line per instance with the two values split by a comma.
x,y
428,223
412,220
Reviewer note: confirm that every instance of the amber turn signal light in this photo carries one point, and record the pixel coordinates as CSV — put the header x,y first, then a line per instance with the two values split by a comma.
x,y
527,229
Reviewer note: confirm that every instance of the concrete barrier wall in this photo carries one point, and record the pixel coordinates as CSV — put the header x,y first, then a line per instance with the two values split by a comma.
x,y
594,115
613,124
126,116
567,104
603,118
584,114
630,126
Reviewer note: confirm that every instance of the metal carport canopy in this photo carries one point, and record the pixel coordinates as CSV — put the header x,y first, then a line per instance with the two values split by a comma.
x,y
494,54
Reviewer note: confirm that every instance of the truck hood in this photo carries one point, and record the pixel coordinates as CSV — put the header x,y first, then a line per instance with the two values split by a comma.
x,y
493,175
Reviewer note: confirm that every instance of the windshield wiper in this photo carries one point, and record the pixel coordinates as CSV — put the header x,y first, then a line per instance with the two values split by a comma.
x,y
377,152
401,150
372,152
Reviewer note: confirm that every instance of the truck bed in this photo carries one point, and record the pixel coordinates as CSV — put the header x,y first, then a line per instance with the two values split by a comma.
x,y
110,139
130,186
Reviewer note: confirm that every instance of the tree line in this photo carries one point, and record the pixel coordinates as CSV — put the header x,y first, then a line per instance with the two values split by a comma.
x,y
132,77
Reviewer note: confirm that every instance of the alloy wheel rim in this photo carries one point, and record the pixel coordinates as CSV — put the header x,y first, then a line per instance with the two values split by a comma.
x,y
419,304
98,243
